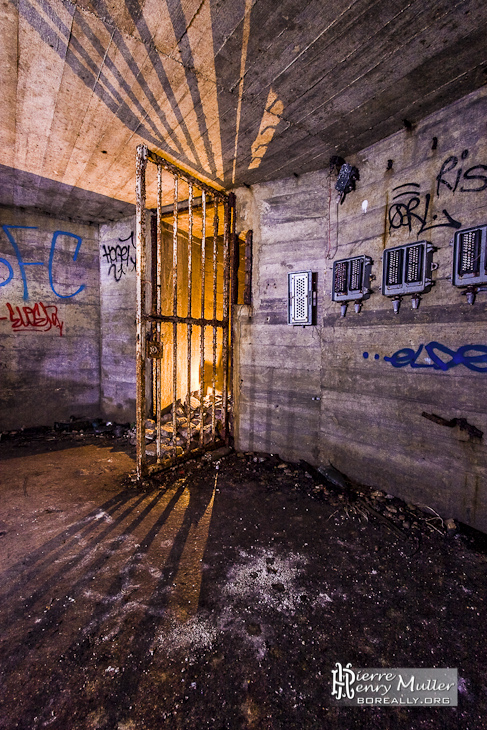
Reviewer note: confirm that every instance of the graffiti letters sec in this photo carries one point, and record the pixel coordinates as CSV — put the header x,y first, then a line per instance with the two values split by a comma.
x,y
473,357
412,210
120,259
23,265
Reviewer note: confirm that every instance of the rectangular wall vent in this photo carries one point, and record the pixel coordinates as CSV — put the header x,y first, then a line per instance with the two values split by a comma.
x,y
351,278
470,257
300,292
407,269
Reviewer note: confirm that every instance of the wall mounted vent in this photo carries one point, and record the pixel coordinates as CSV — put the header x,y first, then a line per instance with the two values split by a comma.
x,y
407,269
300,297
470,257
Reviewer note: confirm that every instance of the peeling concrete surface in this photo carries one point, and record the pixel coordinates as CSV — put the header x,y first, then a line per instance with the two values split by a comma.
x,y
220,597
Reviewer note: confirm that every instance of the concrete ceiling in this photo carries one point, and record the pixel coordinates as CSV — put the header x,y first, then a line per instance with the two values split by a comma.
x,y
237,91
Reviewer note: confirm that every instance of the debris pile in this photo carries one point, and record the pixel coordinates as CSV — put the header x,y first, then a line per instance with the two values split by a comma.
x,y
352,500
398,516
77,428
188,425
91,426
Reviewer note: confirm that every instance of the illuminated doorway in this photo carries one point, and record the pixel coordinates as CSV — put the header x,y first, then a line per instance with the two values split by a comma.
x,y
183,315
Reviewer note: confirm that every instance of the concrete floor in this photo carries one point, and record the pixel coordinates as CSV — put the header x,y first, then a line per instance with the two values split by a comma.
x,y
221,597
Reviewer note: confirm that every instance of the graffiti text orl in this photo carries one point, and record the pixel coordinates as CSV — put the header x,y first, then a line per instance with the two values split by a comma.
x,y
409,210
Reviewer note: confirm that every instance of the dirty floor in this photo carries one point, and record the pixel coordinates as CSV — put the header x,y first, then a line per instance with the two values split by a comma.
x,y
221,596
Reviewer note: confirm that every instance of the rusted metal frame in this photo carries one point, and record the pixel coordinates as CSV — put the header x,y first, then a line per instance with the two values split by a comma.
x,y
195,321
202,330
248,269
181,174
234,261
190,294
153,327
183,205
175,312
158,362
215,272
226,301
216,197
140,200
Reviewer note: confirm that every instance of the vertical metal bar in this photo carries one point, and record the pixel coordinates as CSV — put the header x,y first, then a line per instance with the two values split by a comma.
x,y
202,331
226,282
175,311
140,198
248,269
190,294
158,282
153,327
215,260
234,254
234,262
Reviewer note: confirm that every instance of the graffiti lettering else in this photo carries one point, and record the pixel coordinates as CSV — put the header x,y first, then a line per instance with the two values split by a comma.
x,y
38,318
411,210
473,357
119,258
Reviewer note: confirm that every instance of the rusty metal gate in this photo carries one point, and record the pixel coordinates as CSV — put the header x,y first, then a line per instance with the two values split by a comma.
x,y
183,315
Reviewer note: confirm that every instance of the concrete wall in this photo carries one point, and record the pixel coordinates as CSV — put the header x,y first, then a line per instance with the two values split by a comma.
x,y
49,319
117,300
69,320
369,420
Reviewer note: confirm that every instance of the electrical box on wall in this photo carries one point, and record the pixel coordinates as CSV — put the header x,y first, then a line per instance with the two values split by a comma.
x,y
301,298
470,263
351,281
407,270
470,260
351,278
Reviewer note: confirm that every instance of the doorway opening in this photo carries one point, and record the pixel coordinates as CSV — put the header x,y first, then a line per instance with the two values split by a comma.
x,y
185,258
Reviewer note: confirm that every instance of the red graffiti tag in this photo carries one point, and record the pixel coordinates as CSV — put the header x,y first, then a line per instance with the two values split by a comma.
x,y
39,318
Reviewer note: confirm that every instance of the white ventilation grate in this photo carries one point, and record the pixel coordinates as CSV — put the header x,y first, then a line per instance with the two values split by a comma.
x,y
300,298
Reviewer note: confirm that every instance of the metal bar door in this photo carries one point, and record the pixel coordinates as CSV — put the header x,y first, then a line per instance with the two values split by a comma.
x,y
183,315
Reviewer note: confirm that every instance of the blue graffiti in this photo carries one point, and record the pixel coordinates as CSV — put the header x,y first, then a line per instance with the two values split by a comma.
x,y
23,264
473,357
55,236
10,272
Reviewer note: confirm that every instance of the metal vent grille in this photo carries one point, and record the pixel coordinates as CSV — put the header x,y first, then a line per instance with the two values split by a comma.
x,y
407,269
394,267
414,264
340,278
300,298
356,270
351,278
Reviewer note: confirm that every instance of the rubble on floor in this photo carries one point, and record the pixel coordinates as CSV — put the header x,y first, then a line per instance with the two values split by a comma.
x,y
77,428
188,428
353,500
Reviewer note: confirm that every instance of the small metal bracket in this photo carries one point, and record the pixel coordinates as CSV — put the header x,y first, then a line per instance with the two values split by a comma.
x,y
154,350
